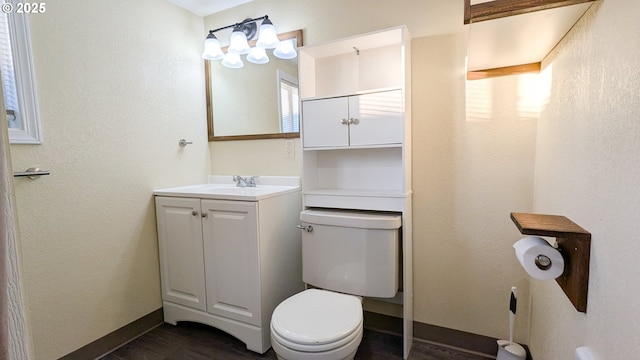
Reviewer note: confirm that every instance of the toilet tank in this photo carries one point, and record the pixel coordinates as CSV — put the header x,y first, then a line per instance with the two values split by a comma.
x,y
353,252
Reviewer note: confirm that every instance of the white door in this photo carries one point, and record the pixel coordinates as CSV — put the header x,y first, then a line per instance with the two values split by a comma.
x,y
181,251
324,123
232,266
376,118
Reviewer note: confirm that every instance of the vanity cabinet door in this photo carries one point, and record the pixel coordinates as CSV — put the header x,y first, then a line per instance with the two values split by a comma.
x,y
181,251
230,232
324,122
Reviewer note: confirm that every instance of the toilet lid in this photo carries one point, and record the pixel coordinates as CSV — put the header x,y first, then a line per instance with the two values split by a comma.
x,y
316,317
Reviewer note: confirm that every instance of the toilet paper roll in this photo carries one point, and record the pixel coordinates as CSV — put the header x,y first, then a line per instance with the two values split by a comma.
x,y
533,247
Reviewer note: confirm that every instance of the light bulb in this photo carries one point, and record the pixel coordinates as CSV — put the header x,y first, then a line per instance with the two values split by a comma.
x,y
285,50
268,37
212,50
232,61
238,42
258,55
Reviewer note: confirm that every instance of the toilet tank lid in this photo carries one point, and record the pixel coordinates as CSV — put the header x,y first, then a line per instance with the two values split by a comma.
x,y
352,218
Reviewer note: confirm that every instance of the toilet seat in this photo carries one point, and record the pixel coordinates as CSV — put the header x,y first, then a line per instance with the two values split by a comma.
x,y
317,321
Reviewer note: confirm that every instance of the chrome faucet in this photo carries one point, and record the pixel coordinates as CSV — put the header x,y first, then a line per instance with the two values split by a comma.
x,y
249,181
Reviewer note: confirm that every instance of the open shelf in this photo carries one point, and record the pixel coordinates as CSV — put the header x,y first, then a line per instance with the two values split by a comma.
x,y
509,37
381,200
546,225
358,64
574,244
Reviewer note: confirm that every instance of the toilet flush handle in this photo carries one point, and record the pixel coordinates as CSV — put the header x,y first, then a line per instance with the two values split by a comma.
x,y
307,228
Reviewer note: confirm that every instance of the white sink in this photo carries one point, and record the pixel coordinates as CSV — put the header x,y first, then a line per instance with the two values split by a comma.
x,y
223,187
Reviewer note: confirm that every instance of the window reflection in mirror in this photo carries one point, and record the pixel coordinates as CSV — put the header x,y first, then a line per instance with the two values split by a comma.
x,y
288,101
256,101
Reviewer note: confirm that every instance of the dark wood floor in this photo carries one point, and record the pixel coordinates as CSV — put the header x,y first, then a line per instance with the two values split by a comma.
x,y
194,342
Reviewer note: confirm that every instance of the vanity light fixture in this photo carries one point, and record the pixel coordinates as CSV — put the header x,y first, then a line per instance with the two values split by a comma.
x,y
238,44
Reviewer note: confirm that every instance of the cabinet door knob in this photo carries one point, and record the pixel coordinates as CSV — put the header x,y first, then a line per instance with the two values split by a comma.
x,y
204,215
344,122
307,228
353,121
194,213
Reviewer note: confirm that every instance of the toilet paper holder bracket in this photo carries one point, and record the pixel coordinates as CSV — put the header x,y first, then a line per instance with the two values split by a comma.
x,y
572,241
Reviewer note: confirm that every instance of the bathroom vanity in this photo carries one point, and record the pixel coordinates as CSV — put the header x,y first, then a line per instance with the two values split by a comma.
x,y
229,255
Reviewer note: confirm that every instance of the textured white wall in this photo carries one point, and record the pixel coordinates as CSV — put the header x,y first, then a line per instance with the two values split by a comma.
x,y
467,176
587,169
119,83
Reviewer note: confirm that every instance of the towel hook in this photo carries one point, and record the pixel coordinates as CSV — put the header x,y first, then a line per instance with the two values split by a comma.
x,y
184,142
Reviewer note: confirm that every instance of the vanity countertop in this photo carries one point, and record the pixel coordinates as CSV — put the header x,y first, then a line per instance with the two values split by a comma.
x,y
222,187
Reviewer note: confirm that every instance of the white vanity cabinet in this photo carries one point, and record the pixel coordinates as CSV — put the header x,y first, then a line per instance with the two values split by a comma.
x,y
228,263
360,120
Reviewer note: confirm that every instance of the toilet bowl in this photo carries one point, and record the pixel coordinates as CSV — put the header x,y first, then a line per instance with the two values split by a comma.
x,y
317,325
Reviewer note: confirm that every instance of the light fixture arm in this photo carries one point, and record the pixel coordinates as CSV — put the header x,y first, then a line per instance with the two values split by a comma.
x,y
247,26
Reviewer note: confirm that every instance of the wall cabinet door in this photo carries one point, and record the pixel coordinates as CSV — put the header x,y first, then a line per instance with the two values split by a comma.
x,y
324,122
376,118
360,120
181,251
230,232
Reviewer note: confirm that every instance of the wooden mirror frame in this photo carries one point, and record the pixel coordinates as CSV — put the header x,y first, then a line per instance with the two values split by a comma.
x,y
297,34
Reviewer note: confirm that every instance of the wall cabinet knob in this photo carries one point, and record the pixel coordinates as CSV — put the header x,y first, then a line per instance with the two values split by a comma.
x,y
194,213
204,215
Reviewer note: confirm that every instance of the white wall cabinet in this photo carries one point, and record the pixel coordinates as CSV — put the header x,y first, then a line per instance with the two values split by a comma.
x,y
361,120
356,134
229,263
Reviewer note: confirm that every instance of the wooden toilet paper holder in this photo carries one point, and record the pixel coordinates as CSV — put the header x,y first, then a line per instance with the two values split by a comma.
x,y
574,244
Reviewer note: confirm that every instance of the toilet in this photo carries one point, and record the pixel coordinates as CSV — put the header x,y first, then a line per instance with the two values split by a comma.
x,y
346,255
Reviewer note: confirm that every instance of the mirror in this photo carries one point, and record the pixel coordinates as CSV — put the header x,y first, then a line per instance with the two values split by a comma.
x,y
256,101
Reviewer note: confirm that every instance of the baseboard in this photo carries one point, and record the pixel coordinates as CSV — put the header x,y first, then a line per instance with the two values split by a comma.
x,y
117,338
383,323
455,338
436,334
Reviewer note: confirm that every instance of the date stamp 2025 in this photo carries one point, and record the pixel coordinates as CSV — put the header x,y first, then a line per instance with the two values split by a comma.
x,y
24,8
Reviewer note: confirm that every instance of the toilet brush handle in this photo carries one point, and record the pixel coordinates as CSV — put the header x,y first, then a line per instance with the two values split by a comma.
x,y
513,302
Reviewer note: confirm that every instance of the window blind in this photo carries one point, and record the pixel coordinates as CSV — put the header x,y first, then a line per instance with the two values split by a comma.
x,y
289,122
6,66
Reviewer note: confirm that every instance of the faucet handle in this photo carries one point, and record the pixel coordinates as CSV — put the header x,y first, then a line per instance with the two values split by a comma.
x,y
242,181
239,180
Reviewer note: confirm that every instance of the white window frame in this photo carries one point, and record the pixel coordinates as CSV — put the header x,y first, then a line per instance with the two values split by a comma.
x,y
30,131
